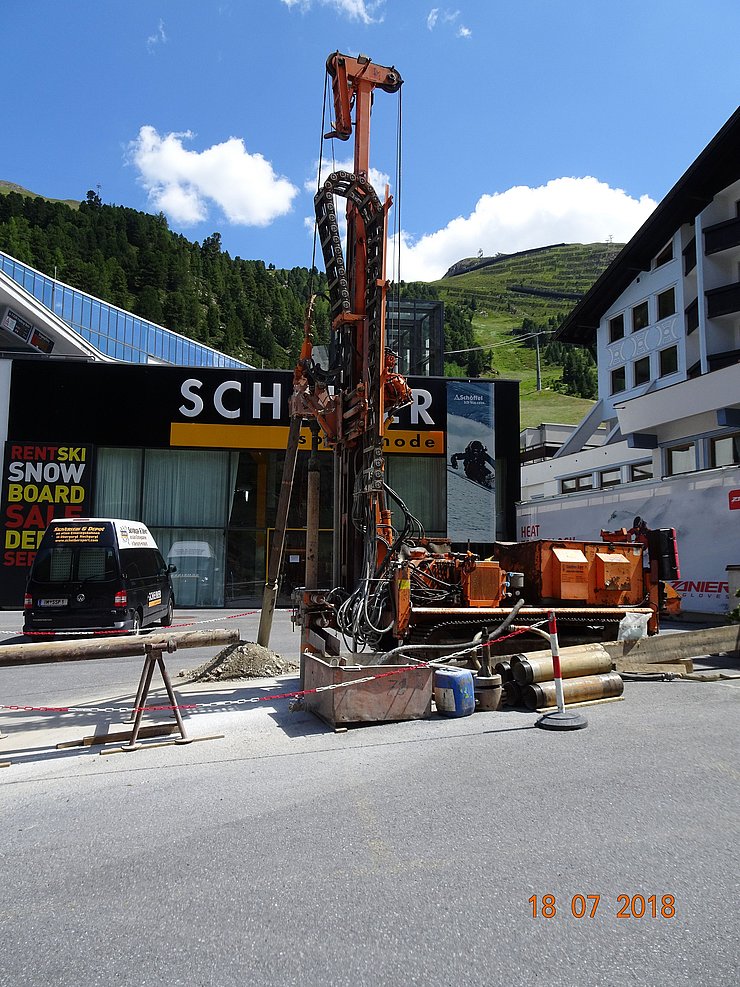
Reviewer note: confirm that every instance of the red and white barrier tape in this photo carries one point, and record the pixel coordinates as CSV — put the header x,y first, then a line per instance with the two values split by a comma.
x,y
396,670
219,702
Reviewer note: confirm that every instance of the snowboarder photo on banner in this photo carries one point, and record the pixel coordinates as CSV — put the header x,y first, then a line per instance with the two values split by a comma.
x,y
475,463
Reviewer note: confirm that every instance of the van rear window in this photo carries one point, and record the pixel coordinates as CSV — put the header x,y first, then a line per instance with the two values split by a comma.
x,y
63,564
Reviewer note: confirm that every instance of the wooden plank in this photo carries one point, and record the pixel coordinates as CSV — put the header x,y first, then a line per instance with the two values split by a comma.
x,y
684,666
151,730
672,647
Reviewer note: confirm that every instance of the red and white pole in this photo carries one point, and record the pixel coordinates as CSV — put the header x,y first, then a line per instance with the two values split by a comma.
x,y
560,719
555,648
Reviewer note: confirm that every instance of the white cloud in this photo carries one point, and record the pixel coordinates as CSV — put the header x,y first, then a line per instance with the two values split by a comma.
x,y
436,16
183,184
565,210
159,37
356,10
378,179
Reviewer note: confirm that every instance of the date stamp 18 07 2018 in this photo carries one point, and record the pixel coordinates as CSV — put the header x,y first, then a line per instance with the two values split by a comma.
x,y
587,906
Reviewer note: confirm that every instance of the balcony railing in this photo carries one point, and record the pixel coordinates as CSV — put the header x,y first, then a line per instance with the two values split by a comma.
x,y
723,301
722,236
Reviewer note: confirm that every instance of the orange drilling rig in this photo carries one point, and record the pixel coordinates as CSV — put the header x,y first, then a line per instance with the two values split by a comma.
x,y
392,584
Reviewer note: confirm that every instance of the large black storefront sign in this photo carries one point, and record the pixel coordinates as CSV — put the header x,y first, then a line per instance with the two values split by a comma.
x,y
181,407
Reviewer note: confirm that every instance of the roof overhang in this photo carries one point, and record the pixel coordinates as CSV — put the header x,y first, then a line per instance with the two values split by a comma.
x,y
717,166
28,328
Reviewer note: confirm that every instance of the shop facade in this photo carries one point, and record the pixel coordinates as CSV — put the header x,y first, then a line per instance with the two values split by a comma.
x,y
197,455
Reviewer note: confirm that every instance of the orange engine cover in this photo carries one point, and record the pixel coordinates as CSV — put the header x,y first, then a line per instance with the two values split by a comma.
x,y
483,585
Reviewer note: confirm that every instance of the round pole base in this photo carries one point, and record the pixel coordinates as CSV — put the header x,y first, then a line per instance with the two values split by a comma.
x,y
567,720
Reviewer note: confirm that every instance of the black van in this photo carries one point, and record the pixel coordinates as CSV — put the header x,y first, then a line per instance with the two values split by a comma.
x,y
98,574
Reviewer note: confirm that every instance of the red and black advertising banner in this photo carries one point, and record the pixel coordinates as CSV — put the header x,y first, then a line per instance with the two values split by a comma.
x,y
40,482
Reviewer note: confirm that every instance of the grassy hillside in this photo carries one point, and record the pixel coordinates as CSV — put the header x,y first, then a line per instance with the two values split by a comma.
x,y
7,187
539,285
196,290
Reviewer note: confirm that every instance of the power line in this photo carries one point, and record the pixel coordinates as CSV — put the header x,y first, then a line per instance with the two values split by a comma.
x,y
492,346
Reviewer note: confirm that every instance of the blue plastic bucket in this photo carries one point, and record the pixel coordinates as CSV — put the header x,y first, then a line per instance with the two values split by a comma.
x,y
453,691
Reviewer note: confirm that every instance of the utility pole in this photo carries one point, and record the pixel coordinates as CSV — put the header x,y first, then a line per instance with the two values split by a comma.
x,y
539,371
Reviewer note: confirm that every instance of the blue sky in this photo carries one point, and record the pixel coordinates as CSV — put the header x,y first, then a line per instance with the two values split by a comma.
x,y
523,123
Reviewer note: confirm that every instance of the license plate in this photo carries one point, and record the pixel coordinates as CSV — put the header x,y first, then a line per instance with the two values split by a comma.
x,y
52,603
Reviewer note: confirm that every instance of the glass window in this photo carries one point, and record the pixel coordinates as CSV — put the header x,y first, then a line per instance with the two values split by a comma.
x,y
61,564
183,487
665,255
86,312
198,554
641,471
610,478
118,483
616,328
668,360
642,371
76,308
725,450
246,566
67,304
112,322
666,303
619,380
420,481
640,316
573,483
680,459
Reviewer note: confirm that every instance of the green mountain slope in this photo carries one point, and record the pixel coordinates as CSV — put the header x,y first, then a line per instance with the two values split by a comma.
x,y
531,289
255,312
7,187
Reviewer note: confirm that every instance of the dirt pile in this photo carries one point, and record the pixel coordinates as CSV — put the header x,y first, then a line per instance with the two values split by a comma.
x,y
241,661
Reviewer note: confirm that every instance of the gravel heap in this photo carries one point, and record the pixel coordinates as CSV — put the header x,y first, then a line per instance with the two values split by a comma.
x,y
241,661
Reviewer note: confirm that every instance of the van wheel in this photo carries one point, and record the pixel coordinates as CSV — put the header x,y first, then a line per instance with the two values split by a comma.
x,y
168,617
136,623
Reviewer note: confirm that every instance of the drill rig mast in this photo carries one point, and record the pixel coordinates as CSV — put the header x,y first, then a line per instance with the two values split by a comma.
x,y
352,398
400,584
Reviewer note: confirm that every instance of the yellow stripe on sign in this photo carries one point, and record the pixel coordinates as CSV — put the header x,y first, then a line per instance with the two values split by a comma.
x,y
208,436
425,443
228,436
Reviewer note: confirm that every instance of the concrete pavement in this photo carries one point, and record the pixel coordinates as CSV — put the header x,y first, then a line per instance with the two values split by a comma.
x,y
402,853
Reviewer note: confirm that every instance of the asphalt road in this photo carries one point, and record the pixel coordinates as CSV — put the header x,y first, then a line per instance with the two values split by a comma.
x,y
409,853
